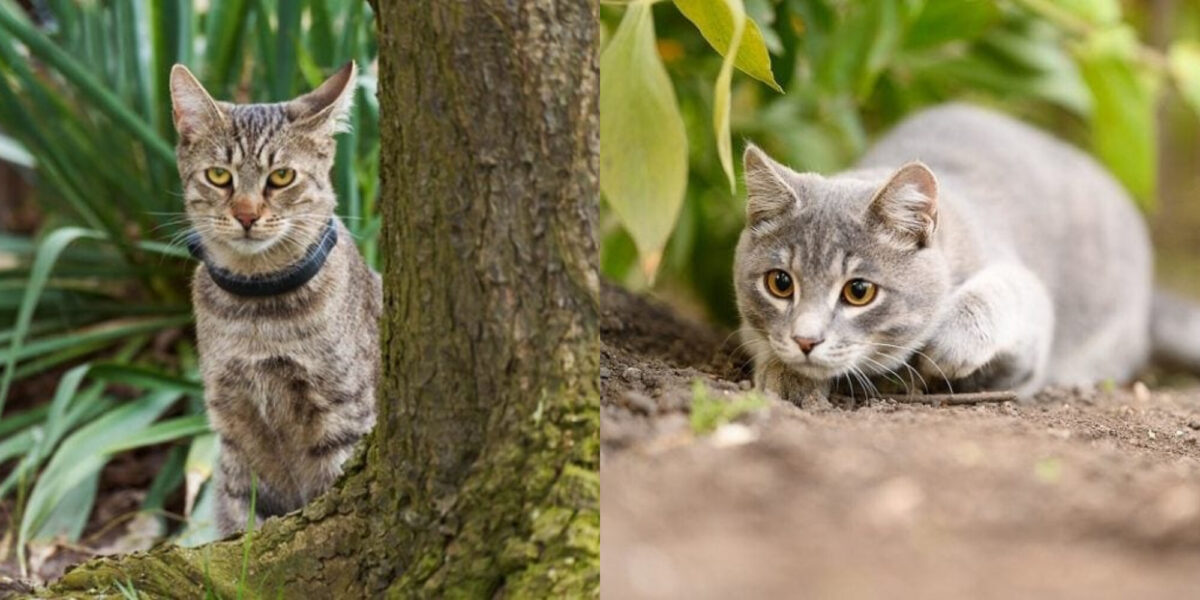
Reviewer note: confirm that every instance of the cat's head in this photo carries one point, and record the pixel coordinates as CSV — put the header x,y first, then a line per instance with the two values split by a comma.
x,y
256,176
838,275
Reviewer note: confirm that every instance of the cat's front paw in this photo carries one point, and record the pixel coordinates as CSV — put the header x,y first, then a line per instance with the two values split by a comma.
x,y
955,354
777,380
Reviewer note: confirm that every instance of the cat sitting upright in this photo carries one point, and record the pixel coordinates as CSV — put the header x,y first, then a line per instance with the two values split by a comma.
x,y
286,309
965,251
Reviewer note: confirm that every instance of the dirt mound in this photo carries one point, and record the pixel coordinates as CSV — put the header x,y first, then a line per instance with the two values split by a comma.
x,y
1080,494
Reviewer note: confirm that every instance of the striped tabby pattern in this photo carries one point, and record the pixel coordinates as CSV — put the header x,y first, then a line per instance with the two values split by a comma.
x,y
290,378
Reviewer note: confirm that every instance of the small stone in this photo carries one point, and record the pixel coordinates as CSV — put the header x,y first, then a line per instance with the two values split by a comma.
x,y
745,385
1140,392
605,372
1151,433
733,434
1194,424
632,374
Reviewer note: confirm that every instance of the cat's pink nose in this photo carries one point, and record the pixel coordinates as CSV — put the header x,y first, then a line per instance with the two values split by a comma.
x,y
807,344
246,219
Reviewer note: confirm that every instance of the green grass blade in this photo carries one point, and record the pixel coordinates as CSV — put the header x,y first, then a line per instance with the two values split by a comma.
x,y
11,423
17,444
41,46
47,255
285,50
112,331
224,35
145,377
166,431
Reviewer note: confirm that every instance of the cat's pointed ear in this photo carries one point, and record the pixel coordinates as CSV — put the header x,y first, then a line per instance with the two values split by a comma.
x,y
905,208
193,109
329,104
768,193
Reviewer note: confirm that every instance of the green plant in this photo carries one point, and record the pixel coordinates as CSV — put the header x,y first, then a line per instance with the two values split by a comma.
x,y
709,412
847,70
84,105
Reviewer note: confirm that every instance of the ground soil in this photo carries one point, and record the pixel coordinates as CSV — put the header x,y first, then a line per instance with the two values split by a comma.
x,y
1083,493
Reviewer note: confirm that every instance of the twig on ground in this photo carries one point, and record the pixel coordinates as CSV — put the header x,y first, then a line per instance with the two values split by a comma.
x,y
935,399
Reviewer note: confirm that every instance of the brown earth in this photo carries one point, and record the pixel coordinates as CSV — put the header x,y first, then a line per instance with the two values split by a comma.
x,y
1078,494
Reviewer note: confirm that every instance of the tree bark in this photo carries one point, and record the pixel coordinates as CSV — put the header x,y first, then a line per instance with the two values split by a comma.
x,y
481,476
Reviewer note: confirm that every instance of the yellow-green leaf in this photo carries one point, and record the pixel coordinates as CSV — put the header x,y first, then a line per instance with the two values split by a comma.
x,y
1124,134
1096,12
1077,15
643,145
722,92
716,22
1184,63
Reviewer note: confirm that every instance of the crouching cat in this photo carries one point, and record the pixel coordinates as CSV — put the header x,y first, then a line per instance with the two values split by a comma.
x,y
1004,259
286,309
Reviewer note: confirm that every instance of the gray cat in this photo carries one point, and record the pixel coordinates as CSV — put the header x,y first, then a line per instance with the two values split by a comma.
x,y
1004,259
286,309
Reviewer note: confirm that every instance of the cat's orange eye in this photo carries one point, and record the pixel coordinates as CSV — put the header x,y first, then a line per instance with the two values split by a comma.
x,y
858,292
218,176
281,177
780,284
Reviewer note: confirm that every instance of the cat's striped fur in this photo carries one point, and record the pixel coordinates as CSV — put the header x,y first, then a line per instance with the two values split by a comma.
x,y
289,378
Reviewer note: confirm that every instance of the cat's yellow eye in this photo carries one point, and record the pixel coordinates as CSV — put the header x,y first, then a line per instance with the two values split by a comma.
x,y
858,292
281,177
779,283
218,176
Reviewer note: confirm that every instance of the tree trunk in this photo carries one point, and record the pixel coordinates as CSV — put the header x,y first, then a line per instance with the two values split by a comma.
x,y
481,476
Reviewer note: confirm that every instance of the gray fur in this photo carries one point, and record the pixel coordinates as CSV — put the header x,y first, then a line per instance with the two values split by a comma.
x,y
289,379
1018,263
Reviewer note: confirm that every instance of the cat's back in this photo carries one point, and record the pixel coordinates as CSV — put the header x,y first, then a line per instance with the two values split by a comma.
x,y
997,162
1010,191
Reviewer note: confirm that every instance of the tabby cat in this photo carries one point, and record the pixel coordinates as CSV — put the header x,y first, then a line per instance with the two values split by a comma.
x,y
1004,259
286,308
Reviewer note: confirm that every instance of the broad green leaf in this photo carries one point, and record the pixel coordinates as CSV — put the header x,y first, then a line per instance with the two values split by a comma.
x,y
717,22
643,145
201,460
722,92
48,252
201,524
866,40
1124,133
12,151
1184,64
944,21
81,457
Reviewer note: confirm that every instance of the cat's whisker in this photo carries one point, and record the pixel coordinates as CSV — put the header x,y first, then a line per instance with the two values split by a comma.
x,y
866,381
916,352
892,372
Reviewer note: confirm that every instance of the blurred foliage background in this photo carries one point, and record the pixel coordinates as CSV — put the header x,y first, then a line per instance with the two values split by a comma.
x,y
1117,78
99,373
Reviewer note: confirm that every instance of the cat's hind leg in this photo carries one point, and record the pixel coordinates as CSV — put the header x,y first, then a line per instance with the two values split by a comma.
x,y
996,333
